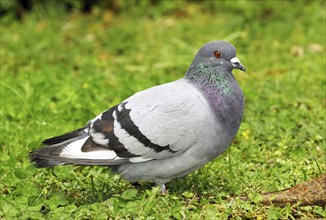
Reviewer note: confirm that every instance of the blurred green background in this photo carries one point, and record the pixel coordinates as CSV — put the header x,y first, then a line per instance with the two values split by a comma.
x,y
64,62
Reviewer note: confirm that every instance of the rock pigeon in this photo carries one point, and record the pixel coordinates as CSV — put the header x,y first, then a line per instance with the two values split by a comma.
x,y
164,132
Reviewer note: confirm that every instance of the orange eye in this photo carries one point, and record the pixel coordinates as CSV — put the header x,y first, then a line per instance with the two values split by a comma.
x,y
217,54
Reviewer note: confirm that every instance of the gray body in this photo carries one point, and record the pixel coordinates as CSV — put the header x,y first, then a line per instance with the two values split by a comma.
x,y
164,132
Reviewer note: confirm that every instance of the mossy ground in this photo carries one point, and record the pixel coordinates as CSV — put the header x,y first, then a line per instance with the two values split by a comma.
x,y
59,70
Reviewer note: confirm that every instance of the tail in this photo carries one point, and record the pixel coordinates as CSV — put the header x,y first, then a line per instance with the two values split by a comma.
x,y
69,149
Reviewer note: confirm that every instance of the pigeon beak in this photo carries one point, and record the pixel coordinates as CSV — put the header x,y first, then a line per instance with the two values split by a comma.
x,y
236,63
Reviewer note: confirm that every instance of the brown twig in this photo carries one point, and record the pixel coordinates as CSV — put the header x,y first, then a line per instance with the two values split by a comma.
x,y
312,192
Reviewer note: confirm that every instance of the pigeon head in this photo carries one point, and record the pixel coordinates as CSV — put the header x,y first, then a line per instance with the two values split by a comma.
x,y
218,55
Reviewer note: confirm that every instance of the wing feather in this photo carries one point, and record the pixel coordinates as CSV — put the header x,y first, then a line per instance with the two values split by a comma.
x,y
156,123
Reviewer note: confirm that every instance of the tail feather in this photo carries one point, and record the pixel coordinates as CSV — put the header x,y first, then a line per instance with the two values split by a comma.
x,y
43,160
68,136
67,149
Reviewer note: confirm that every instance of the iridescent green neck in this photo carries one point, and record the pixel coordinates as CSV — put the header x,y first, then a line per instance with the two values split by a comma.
x,y
222,91
214,78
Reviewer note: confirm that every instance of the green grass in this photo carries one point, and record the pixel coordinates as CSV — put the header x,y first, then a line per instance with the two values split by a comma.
x,y
59,70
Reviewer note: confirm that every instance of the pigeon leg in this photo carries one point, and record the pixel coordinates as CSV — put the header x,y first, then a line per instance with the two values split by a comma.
x,y
163,189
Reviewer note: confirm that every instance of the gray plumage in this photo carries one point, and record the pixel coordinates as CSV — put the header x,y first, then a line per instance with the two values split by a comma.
x,y
164,132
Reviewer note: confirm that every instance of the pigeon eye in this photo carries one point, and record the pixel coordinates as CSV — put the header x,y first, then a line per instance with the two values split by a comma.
x,y
217,54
